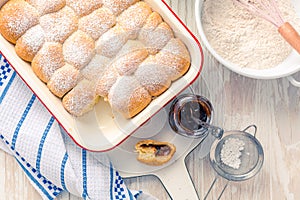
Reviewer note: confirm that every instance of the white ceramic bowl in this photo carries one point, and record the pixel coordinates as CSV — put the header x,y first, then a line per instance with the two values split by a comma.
x,y
288,67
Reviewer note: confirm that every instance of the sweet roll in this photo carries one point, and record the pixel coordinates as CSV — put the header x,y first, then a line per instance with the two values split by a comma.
x,y
47,60
95,69
16,17
63,80
156,39
45,6
84,7
175,57
106,81
79,49
81,99
58,26
97,23
133,18
30,42
128,97
110,43
153,76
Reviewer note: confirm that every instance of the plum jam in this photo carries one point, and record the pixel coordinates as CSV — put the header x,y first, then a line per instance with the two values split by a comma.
x,y
187,114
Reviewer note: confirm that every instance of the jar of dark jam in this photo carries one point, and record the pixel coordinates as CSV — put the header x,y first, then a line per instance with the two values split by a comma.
x,y
189,115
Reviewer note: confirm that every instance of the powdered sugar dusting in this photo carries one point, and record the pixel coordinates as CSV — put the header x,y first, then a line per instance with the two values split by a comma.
x,y
124,92
48,59
128,63
60,25
110,43
79,49
117,6
46,6
231,152
63,80
30,42
153,76
84,49
81,98
105,82
16,17
95,69
176,47
97,23
84,7
175,57
155,40
134,18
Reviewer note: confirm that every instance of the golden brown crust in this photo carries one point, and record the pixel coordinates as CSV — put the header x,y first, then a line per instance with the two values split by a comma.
x,y
16,17
133,18
110,43
63,80
29,43
2,2
81,99
106,81
48,59
58,26
128,97
45,7
175,57
153,152
84,7
79,49
97,23
153,76
118,6
128,63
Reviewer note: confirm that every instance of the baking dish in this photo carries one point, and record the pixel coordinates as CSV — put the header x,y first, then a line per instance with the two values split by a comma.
x,y
288,67
101,129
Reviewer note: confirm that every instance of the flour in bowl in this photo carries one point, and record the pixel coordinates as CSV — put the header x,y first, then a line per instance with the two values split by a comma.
x,y
244,39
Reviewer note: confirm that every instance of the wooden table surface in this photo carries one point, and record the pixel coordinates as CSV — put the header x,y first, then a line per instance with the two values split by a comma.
x,y
272,105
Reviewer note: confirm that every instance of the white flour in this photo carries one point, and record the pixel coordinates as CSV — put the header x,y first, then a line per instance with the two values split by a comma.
x,y
244,39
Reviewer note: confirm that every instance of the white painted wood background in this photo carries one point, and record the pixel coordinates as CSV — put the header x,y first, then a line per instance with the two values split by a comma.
x,y
273,105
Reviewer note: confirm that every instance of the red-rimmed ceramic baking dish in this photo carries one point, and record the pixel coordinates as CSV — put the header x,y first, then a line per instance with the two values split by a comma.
x,y
101,129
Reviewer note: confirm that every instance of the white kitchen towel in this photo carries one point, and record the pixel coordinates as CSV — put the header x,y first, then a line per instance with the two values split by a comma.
x,y
50,159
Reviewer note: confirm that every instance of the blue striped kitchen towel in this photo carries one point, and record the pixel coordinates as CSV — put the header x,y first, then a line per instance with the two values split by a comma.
x,y
50,159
